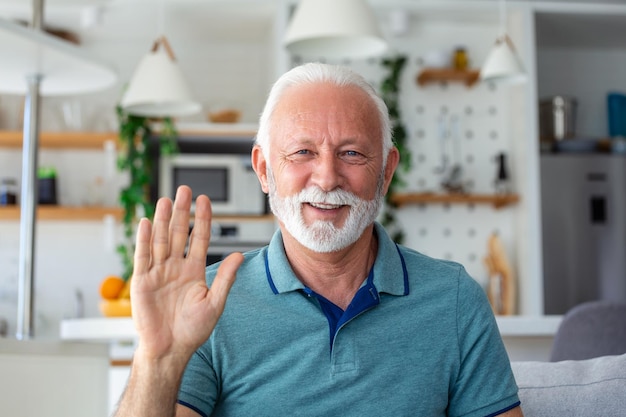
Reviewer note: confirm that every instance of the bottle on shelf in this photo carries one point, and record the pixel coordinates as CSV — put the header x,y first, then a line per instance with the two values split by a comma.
x,y
47,185
8,192
502,182
460,60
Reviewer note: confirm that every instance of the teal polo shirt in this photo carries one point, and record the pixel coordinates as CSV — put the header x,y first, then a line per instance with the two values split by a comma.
x,y
420,340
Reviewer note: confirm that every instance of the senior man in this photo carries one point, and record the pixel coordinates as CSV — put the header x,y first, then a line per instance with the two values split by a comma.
x,y
332,317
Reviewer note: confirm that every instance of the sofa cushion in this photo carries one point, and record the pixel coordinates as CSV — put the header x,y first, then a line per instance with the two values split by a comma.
x,y
591,387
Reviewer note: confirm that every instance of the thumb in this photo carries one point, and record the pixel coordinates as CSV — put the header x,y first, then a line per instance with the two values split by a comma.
x,y
226,274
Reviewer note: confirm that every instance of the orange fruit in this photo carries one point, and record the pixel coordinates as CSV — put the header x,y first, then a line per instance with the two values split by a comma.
x,y
111,287
125,292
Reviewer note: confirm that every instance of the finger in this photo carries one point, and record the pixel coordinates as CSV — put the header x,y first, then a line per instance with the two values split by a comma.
x,y
226,274
179,224
141,258
160,239
201,233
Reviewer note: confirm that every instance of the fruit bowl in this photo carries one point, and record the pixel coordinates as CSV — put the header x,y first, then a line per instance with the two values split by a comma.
x,y
116,308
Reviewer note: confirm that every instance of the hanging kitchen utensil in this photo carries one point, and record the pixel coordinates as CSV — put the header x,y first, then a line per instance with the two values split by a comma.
x,y
442,137
453,181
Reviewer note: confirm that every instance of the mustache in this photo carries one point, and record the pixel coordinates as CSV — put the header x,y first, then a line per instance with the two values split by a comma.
x,y
335,197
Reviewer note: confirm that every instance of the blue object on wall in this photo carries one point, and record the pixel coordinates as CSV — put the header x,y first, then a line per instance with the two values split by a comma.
x,y
616,106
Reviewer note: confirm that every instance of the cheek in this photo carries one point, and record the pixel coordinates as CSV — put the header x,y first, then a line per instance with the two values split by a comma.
x,y
366,183
289,179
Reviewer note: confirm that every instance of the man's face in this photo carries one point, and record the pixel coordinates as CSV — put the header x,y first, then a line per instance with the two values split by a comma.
x,y
326,181
323,235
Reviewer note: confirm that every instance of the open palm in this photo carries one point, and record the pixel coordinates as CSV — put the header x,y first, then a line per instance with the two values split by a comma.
x,y
173,309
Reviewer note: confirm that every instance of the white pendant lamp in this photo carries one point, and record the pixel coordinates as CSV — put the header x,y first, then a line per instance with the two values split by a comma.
x,y
158,87
503,64
334,29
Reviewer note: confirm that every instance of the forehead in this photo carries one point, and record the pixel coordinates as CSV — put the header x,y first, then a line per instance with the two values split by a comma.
x,y
323,104
320,95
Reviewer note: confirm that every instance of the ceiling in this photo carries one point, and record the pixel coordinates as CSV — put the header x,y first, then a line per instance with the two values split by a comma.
x,y
562,30
241,20
208,19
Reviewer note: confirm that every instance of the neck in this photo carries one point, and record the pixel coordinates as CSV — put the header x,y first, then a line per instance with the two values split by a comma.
x,y
338,275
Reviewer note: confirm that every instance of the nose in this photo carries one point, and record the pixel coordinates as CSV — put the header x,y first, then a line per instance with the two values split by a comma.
x,y
326,172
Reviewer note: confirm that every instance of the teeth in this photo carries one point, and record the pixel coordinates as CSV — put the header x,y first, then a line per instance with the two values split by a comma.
x,y
325,206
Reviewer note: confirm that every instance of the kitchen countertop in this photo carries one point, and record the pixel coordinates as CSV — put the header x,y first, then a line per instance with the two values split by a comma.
x,y
122,329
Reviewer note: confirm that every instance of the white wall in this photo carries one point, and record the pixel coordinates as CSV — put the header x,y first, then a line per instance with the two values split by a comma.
x,y
70,256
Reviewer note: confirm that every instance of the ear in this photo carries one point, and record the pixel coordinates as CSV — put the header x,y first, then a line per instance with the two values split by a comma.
x,y
393,158
259,164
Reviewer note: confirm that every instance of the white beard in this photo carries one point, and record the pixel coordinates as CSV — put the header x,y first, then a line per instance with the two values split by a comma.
x,y
322,236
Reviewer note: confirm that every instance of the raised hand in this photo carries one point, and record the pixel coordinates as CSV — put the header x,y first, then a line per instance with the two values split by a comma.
x,y
174,311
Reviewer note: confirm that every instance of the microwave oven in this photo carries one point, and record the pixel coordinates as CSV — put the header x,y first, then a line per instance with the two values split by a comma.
x,y
228,180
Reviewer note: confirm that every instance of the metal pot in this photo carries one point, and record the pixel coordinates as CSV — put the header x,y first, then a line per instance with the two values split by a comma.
x,y
557,118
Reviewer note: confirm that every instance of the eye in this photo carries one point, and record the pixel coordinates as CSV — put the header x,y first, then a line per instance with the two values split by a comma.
x,y
301,155
352,154
353,157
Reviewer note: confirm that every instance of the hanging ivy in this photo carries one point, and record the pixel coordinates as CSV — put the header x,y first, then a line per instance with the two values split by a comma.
x,y
135,133
390,92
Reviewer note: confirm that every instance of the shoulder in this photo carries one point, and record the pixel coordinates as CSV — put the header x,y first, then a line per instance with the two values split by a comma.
x,y
423,269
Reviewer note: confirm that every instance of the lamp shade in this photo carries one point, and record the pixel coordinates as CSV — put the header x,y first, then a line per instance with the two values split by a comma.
x,y
334,29
157,87
64,67
502,63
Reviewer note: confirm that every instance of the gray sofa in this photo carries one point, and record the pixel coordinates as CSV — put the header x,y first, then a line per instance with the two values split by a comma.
x,y
591,387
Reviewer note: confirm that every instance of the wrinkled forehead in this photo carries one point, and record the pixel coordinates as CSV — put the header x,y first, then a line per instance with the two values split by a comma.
x,y
324,102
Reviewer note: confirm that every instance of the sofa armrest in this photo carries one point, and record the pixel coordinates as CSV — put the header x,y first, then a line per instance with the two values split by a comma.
x,y
592,387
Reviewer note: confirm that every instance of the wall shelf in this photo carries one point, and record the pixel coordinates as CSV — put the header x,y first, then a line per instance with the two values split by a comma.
x,y
498,201
60,140
63,213
434,75
98,213
96,140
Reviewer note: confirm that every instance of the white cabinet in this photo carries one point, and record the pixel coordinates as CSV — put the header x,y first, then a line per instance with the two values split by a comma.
x,y
51,378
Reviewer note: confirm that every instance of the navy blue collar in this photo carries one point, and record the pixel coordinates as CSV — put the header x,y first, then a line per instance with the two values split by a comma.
x,y
388,274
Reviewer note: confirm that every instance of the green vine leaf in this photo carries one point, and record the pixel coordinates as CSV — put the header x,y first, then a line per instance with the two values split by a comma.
x,y
135,133
390,91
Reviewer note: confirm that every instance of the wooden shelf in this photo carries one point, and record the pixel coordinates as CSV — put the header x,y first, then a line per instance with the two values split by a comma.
x,y
498,201
98,213
60,140
216,130
243,218
63,213
433,75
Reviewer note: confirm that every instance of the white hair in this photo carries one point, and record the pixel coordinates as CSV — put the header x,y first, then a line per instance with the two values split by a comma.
x,y
312,73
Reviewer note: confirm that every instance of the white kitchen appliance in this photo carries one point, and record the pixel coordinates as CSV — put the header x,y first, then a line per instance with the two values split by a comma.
x,y
228,180
583,207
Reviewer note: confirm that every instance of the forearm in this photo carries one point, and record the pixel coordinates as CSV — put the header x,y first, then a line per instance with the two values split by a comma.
x,y
152,387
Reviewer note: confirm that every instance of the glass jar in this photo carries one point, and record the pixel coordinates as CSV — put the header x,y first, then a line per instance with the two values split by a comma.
x,y
8,192
460,59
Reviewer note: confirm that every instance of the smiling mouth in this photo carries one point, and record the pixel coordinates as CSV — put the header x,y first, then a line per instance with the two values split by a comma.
x,y
325,206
